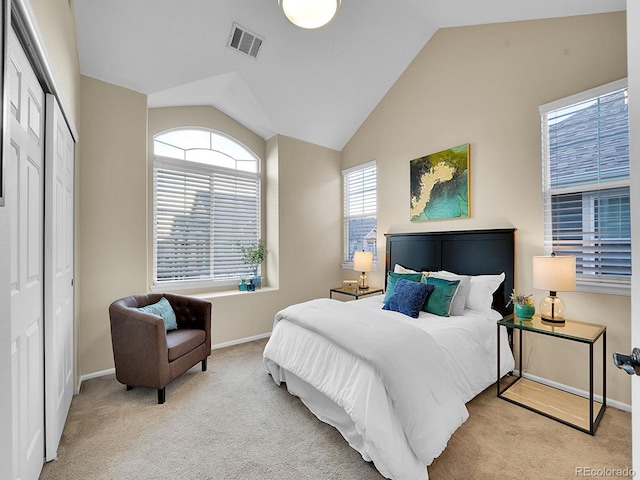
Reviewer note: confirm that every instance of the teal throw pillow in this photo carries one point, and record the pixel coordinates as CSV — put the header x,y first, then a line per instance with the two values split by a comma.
x,y
439,302
393,277
408,297
162,309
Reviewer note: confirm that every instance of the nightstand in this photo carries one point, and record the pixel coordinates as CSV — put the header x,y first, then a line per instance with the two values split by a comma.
x,y
576,411
355,292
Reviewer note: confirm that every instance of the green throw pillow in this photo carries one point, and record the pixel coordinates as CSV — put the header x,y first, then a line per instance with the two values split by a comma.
x,y
162,309
439,301
393,277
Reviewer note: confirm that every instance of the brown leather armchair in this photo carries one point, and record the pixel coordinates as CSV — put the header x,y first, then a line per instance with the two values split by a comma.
x,y
145,353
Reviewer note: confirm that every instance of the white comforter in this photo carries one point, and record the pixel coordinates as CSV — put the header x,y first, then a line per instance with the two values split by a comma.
x,y
394,386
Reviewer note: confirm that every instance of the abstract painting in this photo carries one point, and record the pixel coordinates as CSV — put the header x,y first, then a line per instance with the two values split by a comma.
x,y
440,185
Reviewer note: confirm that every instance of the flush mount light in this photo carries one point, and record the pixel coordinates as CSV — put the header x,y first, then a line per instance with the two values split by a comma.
x,y
309,13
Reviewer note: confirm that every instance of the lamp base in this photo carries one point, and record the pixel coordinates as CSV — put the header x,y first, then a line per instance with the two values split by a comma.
x,y
553,321
363,284
552,309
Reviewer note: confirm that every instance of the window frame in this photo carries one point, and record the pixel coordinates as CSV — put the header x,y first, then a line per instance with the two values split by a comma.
x,y
195,167
347,262
592,282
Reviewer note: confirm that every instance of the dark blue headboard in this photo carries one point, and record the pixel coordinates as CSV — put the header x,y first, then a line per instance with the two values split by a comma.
x,y
469,252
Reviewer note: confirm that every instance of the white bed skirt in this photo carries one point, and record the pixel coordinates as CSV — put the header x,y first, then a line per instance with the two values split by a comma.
x,y
327,411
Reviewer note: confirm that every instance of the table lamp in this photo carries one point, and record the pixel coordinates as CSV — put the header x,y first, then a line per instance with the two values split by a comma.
x,y
363,262
556,274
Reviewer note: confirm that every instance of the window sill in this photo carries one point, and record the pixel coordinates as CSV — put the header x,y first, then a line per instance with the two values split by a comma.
x,y
608,285
624,290
225,293
232,293
349,266
196,286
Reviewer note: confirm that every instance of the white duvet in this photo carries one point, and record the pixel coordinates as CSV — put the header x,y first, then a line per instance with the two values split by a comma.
x,y
396,405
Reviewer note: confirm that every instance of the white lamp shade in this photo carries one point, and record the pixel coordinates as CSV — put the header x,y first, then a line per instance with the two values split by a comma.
x,y
362,261
555,273
309,13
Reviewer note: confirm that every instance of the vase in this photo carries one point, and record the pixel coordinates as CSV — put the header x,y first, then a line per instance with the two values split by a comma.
x,y
257,279
524,311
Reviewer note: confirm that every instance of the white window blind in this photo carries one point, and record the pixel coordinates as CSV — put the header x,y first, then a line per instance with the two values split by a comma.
x,y
183,217
360,210
203,214
586,200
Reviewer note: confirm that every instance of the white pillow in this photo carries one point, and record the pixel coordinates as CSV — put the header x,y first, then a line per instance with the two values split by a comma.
x,y
481,292
460,298
397,268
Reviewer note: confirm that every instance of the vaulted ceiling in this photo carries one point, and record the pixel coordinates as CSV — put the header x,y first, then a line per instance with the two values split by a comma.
x,y
314,85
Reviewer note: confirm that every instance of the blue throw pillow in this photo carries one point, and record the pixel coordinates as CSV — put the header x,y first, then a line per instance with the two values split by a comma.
x,y
393,277
162,309
408,297
439,302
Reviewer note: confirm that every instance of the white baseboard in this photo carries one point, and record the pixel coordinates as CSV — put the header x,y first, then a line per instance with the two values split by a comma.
x,y
89,376
110,371
239,341
576,391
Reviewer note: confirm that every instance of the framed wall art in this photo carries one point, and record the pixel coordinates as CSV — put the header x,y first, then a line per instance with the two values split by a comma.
x,y
440,185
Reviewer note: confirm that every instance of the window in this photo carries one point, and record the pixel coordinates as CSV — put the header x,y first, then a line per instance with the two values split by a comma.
x,y
585,183
360,210
206,207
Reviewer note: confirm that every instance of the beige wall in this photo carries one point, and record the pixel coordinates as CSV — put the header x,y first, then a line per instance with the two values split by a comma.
x,y
56,22
482,85
111,204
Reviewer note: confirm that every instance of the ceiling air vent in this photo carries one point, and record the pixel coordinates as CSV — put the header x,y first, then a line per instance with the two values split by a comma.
x,y
245,41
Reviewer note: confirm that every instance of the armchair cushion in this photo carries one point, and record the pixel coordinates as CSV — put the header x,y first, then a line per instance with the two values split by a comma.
x,y
181,342
163,310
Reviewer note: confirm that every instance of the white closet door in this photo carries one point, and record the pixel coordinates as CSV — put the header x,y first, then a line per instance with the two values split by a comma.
x,y
58,327
25,186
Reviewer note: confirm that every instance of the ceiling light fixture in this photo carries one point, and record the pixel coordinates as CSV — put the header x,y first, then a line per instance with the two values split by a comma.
x,y
309,13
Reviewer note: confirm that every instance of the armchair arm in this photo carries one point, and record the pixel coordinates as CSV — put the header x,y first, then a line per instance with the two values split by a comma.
x,y
139,346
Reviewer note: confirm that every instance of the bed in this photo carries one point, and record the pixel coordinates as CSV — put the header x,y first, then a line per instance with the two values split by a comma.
x,y
393,385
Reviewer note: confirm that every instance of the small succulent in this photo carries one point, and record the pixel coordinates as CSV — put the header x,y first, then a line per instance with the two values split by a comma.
x,y
520,299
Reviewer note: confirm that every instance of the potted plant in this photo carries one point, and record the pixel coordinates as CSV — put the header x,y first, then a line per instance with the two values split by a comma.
x,y
254,255
523,305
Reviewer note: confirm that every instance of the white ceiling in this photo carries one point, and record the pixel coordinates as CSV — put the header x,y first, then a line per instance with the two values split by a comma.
x,y
314,85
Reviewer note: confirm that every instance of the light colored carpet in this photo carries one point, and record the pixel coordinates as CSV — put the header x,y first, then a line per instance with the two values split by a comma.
x,y
234,422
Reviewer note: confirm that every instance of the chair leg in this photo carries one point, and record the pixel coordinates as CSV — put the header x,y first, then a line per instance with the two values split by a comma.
x,y
204,365
161,396
129,387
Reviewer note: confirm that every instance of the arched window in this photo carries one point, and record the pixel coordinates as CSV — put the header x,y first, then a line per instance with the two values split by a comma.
x,y
206,195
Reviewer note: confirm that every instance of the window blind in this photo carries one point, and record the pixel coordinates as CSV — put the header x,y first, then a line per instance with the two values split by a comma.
x,y
203,215
586,199
360,210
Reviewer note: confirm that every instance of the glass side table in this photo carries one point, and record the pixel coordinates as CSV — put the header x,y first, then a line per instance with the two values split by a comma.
x,y
574,410
355,291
